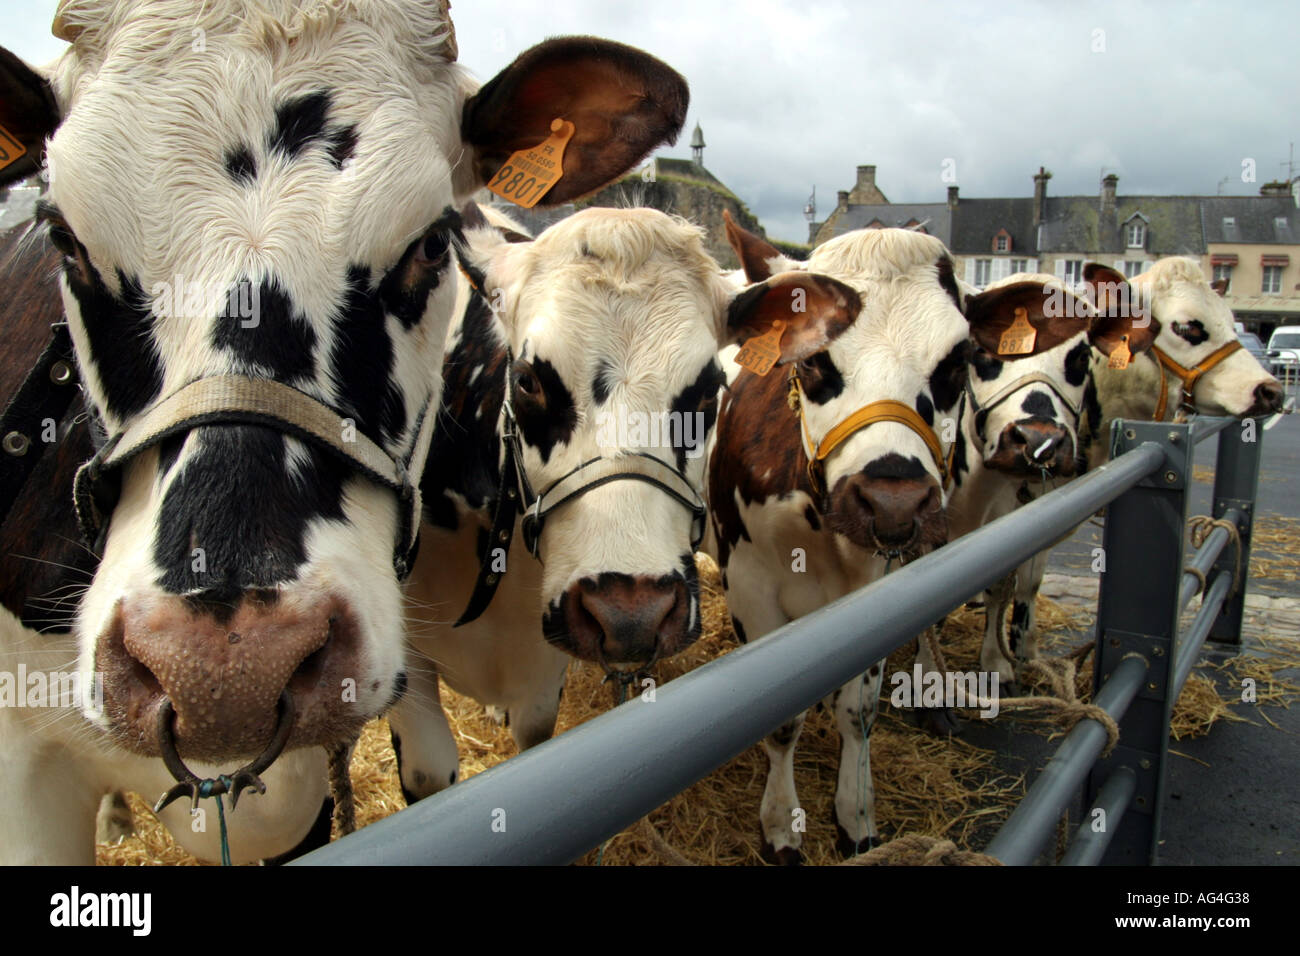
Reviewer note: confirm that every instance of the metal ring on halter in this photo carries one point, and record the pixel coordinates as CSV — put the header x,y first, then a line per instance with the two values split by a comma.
x,y
246,777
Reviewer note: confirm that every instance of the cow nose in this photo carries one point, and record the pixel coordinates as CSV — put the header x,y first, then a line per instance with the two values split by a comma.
x,y
224,670
1269,398
1028,447
626,620
893,512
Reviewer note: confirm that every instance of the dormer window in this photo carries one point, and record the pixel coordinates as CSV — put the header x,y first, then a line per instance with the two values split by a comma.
x,y
1002,241
1135,234
1229,222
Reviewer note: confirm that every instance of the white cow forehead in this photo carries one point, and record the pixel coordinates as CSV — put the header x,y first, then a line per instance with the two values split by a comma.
x,y
155,96
1179,292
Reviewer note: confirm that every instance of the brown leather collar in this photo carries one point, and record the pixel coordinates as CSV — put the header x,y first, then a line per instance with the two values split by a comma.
x,y
1188,376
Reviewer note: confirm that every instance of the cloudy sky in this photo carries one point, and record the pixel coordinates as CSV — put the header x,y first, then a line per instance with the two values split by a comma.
x,y
1172,97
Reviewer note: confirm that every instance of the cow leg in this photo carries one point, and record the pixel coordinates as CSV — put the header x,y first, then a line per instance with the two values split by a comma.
x,y
777,813
532,718
1024,611
426,750
856,706
940,721
992,660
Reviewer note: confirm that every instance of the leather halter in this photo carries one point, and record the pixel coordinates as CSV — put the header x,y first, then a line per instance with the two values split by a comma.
x,y
242,400
515,496
1032,378
1188,376
884,410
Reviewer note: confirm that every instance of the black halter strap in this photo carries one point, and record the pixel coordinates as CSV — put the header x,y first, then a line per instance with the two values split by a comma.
x,y
45,394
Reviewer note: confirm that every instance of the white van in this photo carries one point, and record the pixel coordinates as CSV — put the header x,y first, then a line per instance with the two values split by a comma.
x,y
1284,350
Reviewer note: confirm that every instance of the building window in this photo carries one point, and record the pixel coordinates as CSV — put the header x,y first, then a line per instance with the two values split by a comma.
x,y
1019,265
1132,267
1229,222
1224,273
1000,244
983,267
1136,235
1272,283
1072,271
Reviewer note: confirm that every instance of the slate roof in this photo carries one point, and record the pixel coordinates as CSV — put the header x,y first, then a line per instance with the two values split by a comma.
x,y
977,221
1255,219
935,216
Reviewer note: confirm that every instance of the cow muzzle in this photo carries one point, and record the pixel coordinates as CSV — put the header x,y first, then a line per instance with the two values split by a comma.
x,y
223,669
621,619
889,515
1033,447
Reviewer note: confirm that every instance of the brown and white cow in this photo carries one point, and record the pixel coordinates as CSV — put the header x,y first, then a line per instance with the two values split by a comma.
x,y
1196,343
605,340
791,538
255,202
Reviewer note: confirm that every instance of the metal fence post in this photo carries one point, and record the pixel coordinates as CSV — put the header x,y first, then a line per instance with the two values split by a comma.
x,y
1137,613
1236,484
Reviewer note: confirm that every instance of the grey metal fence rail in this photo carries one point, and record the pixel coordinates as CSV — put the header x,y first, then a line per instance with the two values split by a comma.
x,y
553,803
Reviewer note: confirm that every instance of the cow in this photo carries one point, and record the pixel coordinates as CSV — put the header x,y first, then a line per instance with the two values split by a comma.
x,y
255,208
588,362
825,474
1022,428
1195,365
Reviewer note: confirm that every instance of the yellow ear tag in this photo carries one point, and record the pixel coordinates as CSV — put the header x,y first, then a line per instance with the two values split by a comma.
x,y
1121,356
530,173
760,353
10,149
1019,338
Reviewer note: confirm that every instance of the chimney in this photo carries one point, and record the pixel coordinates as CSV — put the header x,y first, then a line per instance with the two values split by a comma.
x,y
1040,194
1108,184
1281,190
866,179
952,197
842,199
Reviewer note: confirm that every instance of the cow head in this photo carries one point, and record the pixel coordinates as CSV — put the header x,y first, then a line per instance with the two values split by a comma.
x,y
1195,323
267,193
882,488
614,318
1025,409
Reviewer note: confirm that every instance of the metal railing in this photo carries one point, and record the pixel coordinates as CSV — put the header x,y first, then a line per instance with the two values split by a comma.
x,y
554,802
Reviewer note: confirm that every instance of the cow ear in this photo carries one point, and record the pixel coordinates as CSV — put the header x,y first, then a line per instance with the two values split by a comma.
x,y
814,308
1220,286
1120,311
759,258
622,103
1104,286
1056,315
28,115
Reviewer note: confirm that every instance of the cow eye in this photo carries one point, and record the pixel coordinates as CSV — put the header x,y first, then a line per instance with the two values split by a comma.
x,y
527,387
433,248
810,371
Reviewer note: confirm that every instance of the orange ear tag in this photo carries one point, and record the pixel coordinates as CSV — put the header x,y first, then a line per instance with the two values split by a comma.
x,y
530,173
760,353
1121,356
10,149
1019,338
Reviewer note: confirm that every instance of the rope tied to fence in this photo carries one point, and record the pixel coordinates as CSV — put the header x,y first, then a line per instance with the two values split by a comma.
x,y
913,849
1199,528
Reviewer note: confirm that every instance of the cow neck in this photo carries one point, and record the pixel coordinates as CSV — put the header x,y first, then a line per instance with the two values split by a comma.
x,y
1188,376
883,410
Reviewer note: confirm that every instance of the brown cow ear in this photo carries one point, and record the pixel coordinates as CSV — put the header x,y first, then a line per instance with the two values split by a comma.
x,y
1220,286
622,103
1104,286
1107,331
755,253
1055,314
814,308
28,115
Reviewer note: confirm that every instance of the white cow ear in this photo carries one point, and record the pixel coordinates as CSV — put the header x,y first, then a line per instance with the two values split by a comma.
x,y
622,103
759,258
815,309
28,112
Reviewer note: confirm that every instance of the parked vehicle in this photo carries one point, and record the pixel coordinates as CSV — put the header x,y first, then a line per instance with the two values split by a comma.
x,y
1284,351
1251,343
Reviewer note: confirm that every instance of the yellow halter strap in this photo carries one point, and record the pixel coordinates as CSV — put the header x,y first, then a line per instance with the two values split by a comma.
x,y
1188,376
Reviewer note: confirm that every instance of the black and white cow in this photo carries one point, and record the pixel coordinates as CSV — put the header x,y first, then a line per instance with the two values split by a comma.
x,y
1196,341
605,338
1022,429
258,200
791,538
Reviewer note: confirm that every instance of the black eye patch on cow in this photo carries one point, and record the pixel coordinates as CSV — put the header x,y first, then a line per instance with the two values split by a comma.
x,y
1193,332
986,366
120,333
207,507
1038,405
820,379
361,361
272,341
925,408
1077,362
550,419
947,379
698,398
